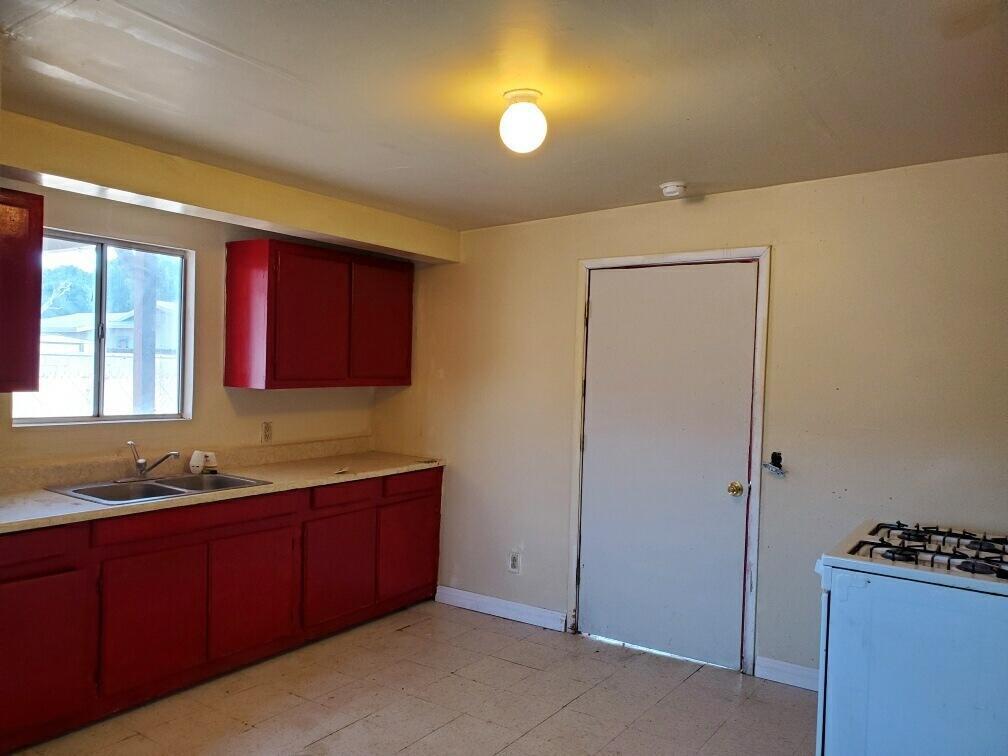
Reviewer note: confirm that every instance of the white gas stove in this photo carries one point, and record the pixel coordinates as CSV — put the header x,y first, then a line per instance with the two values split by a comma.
x,y
905,609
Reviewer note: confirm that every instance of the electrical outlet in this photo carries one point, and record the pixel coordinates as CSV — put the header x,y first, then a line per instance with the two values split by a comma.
x,y
514,562
267,432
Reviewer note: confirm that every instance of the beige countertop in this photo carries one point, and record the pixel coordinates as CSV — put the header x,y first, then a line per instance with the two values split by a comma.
x,y
27,510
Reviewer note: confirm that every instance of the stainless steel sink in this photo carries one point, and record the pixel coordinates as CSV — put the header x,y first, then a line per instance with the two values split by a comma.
x,y
208,482
116,494
123,493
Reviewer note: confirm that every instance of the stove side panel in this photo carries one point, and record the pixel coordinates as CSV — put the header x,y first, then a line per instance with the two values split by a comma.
x,y
827,578
912,663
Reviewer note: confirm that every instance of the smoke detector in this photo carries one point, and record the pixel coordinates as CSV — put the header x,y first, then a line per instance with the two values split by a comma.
x,y
672,189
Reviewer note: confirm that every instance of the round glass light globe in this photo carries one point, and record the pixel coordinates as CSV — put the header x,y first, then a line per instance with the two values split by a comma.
x,y
522,127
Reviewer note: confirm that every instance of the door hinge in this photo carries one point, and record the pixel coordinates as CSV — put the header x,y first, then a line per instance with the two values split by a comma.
x,y
587,310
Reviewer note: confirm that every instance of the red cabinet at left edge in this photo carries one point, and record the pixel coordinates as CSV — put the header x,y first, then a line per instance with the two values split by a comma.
x,y
20,289
299,316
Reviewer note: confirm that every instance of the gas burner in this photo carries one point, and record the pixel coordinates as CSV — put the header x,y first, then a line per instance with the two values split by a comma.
x,y
915,534
1002,572
988,544
976,567
900,554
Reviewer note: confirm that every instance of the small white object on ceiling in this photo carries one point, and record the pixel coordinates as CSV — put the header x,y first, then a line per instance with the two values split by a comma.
x,y
672,189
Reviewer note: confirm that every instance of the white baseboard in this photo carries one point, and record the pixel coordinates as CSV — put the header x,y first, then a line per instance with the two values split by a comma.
x,y
498,607
787,673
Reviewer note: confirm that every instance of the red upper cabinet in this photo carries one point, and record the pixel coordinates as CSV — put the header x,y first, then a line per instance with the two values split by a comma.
x,y
311,292
300,316
20,289
381,333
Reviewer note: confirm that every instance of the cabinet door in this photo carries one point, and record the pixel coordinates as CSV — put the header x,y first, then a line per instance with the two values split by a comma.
x,y
48,648
408,545
312,317
381,321
339,565
20,289
154,610
253,590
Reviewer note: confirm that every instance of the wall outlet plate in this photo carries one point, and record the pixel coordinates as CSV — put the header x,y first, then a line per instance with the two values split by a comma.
x,y
514,562
266,437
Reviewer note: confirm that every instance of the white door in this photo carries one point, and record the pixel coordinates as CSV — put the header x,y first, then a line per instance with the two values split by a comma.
x,y
668,409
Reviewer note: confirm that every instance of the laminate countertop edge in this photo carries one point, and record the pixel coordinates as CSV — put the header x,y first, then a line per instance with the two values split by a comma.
x,y
41,508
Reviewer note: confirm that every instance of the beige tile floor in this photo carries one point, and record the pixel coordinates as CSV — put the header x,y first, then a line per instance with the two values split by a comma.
x,y
439,680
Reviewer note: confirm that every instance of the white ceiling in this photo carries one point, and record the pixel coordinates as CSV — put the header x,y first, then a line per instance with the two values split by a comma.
x,y
396,103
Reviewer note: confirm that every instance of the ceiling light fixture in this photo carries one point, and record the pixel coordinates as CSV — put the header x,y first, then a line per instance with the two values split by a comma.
x,y
523,125
672,189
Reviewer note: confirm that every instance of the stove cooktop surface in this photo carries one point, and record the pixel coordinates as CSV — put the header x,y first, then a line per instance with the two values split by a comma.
x,y
937,547
936,553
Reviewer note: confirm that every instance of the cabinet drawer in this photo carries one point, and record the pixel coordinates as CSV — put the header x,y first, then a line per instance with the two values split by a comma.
x,y
346,494
33,545
200,517
424,480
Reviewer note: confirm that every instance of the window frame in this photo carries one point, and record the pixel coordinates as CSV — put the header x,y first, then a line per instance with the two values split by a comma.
x,y
101,244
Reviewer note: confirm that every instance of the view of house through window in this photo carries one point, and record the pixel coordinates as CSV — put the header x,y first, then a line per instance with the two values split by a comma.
x,y
111,341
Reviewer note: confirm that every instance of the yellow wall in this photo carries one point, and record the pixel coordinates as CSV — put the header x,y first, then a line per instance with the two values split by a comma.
x,y
222,417
35,146
886,390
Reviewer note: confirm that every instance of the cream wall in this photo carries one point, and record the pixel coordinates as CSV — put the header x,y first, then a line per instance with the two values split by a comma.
x,y
221,417
886,389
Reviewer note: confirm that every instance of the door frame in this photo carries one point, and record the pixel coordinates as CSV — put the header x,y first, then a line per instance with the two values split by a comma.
x,y
761,256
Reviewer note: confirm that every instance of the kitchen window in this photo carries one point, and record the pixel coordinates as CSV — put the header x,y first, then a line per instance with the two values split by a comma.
x,y
112,343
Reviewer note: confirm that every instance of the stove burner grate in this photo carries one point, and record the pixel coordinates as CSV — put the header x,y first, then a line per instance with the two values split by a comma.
x,y
996,545
900,554
976,567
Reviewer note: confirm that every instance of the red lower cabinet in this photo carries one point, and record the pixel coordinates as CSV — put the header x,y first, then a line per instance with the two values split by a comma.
x,y
339,565
48,649
154,616
408,533
97,617
253,590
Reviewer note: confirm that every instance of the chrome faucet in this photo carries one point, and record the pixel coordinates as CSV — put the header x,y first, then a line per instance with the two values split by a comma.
x,y
142,468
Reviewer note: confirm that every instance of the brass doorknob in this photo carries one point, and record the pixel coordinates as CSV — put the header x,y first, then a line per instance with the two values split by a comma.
x,y
735,488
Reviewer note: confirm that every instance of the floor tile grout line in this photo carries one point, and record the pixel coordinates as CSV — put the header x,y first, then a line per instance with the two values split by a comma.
x,y
414,742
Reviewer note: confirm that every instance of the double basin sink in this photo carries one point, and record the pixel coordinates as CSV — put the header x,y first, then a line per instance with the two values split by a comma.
x,y
139,491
